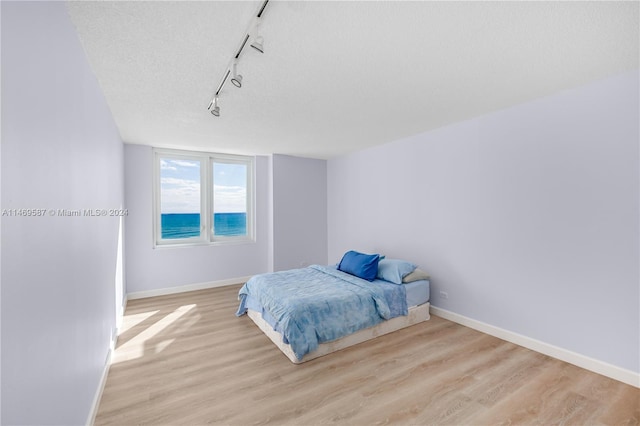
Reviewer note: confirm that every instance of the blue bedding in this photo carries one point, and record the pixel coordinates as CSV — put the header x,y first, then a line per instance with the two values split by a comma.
x,y
319,304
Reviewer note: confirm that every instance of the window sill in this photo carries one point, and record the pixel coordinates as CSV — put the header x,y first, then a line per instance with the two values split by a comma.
x,y
230,242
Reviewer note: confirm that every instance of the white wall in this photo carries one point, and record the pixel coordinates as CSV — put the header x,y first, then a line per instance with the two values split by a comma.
x,y
299,212
150,269
0,226
60,150
527,217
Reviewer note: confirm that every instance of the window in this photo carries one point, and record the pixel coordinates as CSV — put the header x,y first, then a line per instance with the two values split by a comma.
x,y
202,198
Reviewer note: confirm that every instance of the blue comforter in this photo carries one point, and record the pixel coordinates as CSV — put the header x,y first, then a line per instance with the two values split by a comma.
x,y
318,304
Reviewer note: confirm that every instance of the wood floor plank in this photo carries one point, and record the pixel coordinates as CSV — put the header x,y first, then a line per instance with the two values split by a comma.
x,y
187,359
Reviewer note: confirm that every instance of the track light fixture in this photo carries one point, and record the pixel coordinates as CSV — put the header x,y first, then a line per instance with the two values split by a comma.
x,y
216,109
236,78
259,40
257,44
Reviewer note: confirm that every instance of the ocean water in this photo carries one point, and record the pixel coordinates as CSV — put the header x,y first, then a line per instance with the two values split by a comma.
x,y
185,225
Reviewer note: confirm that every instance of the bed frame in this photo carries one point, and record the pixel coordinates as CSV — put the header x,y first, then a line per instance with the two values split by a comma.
x,y
416,314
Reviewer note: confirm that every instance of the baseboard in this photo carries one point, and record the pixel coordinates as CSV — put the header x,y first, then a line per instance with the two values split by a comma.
x,y
185,288
103,381
120,316
626,376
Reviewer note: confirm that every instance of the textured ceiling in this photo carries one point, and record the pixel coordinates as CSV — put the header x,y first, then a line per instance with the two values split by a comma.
x,y
338,76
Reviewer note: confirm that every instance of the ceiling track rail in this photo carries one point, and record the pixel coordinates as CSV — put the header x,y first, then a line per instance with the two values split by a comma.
x,y
243,44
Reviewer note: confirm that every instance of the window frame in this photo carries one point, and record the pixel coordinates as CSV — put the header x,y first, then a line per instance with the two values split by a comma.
x,y
232,159
206,159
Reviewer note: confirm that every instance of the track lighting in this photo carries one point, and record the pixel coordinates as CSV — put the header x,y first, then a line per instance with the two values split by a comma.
x,y
237,78
216,109
259,40
257,44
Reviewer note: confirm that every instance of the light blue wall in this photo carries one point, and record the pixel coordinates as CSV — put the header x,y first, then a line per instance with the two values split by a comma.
x,y
527,217
291,226
149,268
61,276
299,212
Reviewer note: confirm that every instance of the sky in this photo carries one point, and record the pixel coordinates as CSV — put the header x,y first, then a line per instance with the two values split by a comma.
x,y
180,187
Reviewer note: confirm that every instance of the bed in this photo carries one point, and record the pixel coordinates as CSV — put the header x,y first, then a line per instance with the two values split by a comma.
x,y
313,311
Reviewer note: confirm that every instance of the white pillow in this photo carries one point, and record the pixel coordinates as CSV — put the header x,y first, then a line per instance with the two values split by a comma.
x,y
416,275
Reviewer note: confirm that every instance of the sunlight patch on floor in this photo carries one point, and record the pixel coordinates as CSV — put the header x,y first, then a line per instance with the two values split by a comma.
x,y
131,321
161,346
135,348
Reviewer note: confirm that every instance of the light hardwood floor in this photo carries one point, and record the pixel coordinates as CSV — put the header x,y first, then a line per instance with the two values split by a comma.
x,y
187,359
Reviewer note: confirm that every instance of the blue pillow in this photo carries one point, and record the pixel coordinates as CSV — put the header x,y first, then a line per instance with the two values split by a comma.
x,y
394,270
361,265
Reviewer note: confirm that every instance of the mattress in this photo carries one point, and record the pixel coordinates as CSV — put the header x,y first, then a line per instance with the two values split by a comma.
x,y
418,293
